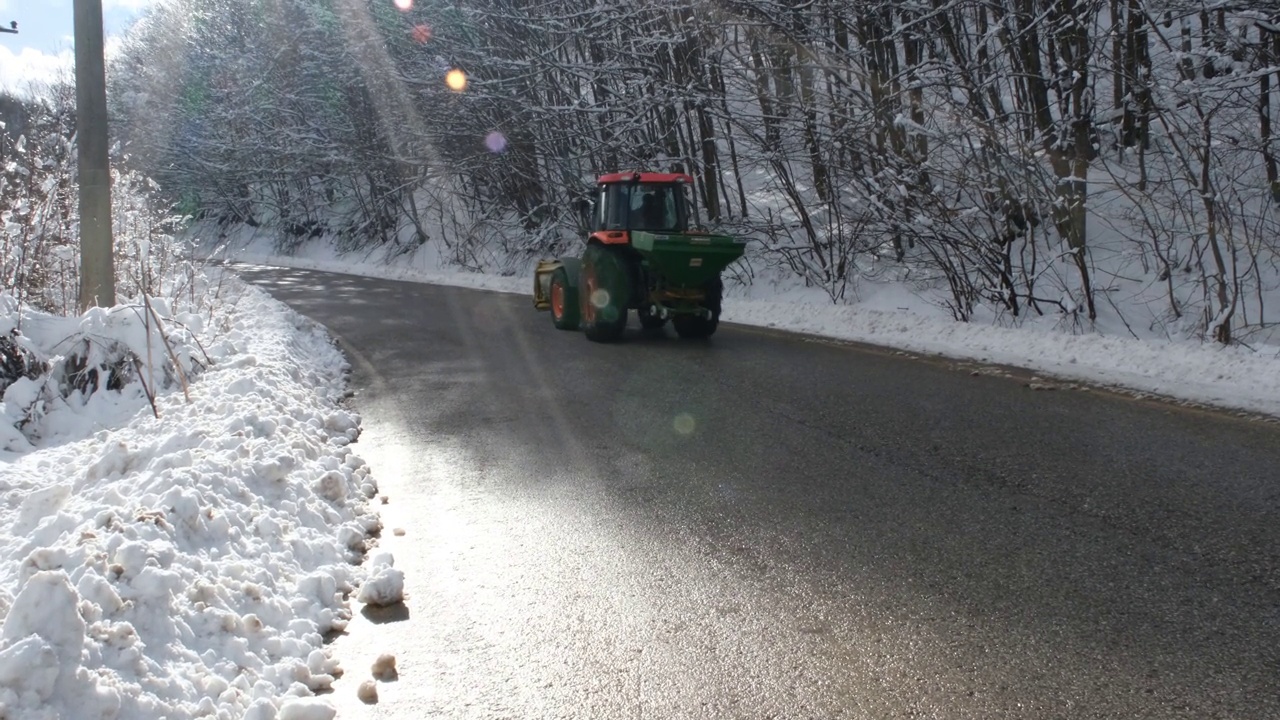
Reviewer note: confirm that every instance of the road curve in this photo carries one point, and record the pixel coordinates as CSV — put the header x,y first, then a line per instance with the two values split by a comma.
x,y
765,526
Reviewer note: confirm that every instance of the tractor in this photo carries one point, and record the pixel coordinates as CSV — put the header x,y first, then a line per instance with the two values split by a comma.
x,y
644,252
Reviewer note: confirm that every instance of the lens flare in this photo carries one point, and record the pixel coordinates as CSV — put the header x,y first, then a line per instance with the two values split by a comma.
x,y
421,33
404,5
684,424
456,80
495,141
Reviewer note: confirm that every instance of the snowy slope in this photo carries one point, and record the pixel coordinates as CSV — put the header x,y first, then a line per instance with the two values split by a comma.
x,y
190,565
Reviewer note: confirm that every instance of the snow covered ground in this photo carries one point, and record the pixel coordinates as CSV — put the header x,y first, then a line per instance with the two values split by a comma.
x,y
1230,377
188,565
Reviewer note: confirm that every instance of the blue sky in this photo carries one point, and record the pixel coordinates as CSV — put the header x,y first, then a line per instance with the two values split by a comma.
x,y
43,44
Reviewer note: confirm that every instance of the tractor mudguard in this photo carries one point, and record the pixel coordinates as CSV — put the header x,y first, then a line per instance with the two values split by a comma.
x,y
572,268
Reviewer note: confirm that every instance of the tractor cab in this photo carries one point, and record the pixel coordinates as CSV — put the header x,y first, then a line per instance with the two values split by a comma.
x,y
650,202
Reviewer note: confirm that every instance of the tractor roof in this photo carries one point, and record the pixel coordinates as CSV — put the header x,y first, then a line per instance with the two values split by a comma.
x,y
644,177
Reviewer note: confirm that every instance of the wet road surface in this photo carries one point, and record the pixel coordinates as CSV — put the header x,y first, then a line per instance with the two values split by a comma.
x,y
765,526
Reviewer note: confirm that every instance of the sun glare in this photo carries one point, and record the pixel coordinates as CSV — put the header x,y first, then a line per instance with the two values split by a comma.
x,y
456,80
404,5
684,424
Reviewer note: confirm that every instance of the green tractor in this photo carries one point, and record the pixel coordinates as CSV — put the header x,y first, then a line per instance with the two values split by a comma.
x,y
644,253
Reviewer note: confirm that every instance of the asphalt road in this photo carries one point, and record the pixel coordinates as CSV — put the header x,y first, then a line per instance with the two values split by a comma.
x,y
765,526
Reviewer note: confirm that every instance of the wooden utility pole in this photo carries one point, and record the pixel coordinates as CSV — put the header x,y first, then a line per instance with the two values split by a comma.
x,y
97,270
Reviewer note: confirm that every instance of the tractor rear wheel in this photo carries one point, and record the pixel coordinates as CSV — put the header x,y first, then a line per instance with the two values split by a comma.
x,y
564,301
603,293
693,327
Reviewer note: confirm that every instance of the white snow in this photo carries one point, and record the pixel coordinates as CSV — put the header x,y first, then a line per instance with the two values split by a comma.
x,y
188,565
385,585
306,709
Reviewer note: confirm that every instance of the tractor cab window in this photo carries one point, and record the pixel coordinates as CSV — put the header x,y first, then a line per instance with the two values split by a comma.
x,y
653,207
641,206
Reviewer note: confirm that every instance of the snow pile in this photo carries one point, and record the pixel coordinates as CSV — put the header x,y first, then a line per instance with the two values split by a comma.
x,y
187,565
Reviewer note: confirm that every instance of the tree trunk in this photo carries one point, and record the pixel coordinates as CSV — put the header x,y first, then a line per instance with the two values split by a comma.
x,y
1073,151
1266,59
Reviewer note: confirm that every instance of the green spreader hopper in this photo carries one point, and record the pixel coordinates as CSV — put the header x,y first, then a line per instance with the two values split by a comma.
x,y
641,254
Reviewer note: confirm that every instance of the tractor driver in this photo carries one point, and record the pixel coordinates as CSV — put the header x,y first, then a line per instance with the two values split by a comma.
x,y
652,215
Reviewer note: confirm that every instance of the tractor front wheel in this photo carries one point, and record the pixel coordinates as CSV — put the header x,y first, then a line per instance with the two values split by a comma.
x,y
603,293
693,327
564,301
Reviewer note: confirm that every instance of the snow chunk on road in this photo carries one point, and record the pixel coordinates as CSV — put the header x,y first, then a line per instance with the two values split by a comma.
x,y
385,585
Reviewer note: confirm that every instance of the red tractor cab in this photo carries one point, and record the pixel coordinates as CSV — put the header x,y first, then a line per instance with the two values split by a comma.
x,y
653,202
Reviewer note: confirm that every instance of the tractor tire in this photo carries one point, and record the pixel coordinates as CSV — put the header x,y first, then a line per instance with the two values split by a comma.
x,y
603,293
564,301
695,327
648,319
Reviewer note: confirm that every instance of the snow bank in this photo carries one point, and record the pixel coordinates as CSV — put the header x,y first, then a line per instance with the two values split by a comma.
x,y
248,246
1232,377
190,565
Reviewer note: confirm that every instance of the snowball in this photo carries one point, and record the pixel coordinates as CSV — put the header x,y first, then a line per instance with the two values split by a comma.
x,y
384,587
384,668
